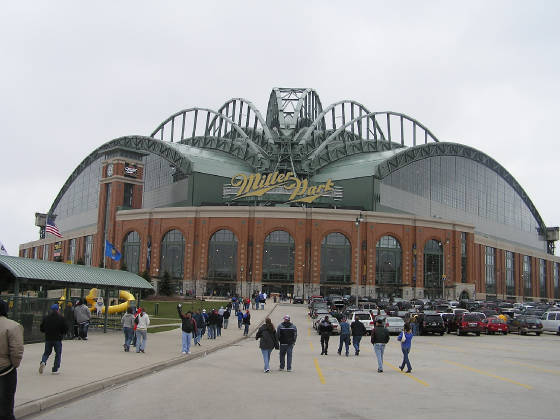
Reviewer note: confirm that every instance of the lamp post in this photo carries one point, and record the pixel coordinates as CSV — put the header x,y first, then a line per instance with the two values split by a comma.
x,y
241,269
359,220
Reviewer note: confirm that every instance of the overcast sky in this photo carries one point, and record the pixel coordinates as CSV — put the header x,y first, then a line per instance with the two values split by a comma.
x,y
75,75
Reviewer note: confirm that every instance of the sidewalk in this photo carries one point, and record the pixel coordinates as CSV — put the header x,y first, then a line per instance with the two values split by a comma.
x,y
100,362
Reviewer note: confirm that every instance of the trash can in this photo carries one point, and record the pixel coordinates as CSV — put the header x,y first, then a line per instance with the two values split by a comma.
x,y
156,309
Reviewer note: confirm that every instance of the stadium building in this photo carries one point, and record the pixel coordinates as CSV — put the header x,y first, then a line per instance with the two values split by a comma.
x,y
305,200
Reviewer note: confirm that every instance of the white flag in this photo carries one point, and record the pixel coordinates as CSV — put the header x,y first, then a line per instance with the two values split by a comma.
x,y
3,249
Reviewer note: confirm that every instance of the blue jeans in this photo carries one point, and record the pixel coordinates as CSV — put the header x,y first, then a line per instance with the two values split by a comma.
x,y
266,357
218,330
356,342
379,350
405,360
414,326
211,331
286,350
226,321
344,338
141,337
187,342
49,345
83,329
198,336
262,306
239,323
246,331
128,333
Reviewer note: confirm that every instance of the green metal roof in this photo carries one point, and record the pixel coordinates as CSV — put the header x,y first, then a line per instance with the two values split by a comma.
x,y
32,269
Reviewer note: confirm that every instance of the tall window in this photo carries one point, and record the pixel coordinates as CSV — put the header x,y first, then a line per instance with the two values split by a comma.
x,y
336,259
131,252
490,270
527,286
222,256
463,257
278,258
542,278
388,267
88,250
510,273
433,269
35,253
46,252
173,254
72,251
128,195
556,285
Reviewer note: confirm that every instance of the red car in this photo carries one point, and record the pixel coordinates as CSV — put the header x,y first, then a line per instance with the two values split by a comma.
x,y
493,325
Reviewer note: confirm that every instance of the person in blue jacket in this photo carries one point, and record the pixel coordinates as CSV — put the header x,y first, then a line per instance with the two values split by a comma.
x,y
239,319
405,337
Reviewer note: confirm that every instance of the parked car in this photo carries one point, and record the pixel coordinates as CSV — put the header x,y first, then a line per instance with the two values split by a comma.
x,y
364,317
493,325
524,324
394,324
335,324
470,322
551,321
320,312
297,299
431,323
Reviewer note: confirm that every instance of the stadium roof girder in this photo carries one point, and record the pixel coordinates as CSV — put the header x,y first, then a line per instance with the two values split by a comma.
x,y
355,125
218,133
136,143
292,108
424,151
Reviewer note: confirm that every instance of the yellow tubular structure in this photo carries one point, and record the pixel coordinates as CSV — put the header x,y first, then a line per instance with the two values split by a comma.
x,y
113,309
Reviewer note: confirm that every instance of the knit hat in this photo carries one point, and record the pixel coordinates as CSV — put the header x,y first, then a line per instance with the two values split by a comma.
x,y
54,307
286,317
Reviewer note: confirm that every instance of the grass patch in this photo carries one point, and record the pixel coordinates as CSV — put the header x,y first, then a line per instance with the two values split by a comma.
x,y
162,329
169,309
161,321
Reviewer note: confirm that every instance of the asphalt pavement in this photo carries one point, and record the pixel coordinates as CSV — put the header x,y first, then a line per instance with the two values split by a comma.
x,y
453,377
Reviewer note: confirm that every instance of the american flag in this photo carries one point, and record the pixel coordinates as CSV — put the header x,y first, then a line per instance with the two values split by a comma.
x,y
52,229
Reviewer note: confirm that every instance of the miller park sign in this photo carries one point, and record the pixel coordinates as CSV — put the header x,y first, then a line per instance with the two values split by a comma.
x,y
287,187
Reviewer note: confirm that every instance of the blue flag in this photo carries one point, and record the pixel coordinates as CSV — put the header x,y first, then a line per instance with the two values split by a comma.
x,y
111,251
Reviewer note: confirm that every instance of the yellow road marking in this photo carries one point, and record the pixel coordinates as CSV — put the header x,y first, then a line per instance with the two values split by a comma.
x,y
311,345
309,331
321,377
555,372
501,378
420,381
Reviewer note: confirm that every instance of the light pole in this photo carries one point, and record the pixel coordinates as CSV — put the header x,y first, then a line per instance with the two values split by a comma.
x,y
359,220
241,269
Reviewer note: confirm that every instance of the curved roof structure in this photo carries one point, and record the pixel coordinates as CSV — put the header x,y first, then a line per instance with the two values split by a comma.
x,y
297,134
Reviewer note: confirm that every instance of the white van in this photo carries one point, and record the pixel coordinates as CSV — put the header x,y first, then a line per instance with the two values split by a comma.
x,y
551,321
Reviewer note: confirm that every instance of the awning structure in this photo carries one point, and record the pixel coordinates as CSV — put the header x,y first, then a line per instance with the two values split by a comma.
x,y
27,270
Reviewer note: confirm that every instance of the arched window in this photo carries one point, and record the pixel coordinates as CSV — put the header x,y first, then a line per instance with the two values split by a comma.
x,y
173,254
131,252
433,269
278,258
336,259
222,256
388,267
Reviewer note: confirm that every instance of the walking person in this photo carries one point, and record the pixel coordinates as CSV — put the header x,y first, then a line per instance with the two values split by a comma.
x,y
82,315
287,336
142,323
246,322
358,331
54,327
69,319
227,314
188,327
268,342
11,353
325,330
379,338
405,337
212,324
219,324
239,319
127,321
200,326
136,315
344,336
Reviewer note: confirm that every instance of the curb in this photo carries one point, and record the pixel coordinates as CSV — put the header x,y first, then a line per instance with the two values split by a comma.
x,y
51,401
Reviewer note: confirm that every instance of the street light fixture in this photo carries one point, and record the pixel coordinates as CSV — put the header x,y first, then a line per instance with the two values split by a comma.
x,y
359,220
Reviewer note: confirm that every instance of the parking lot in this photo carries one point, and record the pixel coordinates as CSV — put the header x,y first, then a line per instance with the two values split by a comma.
x,y
492,376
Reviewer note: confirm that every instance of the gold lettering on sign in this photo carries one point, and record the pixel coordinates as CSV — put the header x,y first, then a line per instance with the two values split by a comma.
x,y
256,185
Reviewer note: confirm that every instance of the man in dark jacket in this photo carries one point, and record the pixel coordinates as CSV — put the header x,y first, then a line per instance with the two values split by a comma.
x,y
227,314
188,325
358,331
325,330
200,327
212,324
54,327
287,336
379,337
